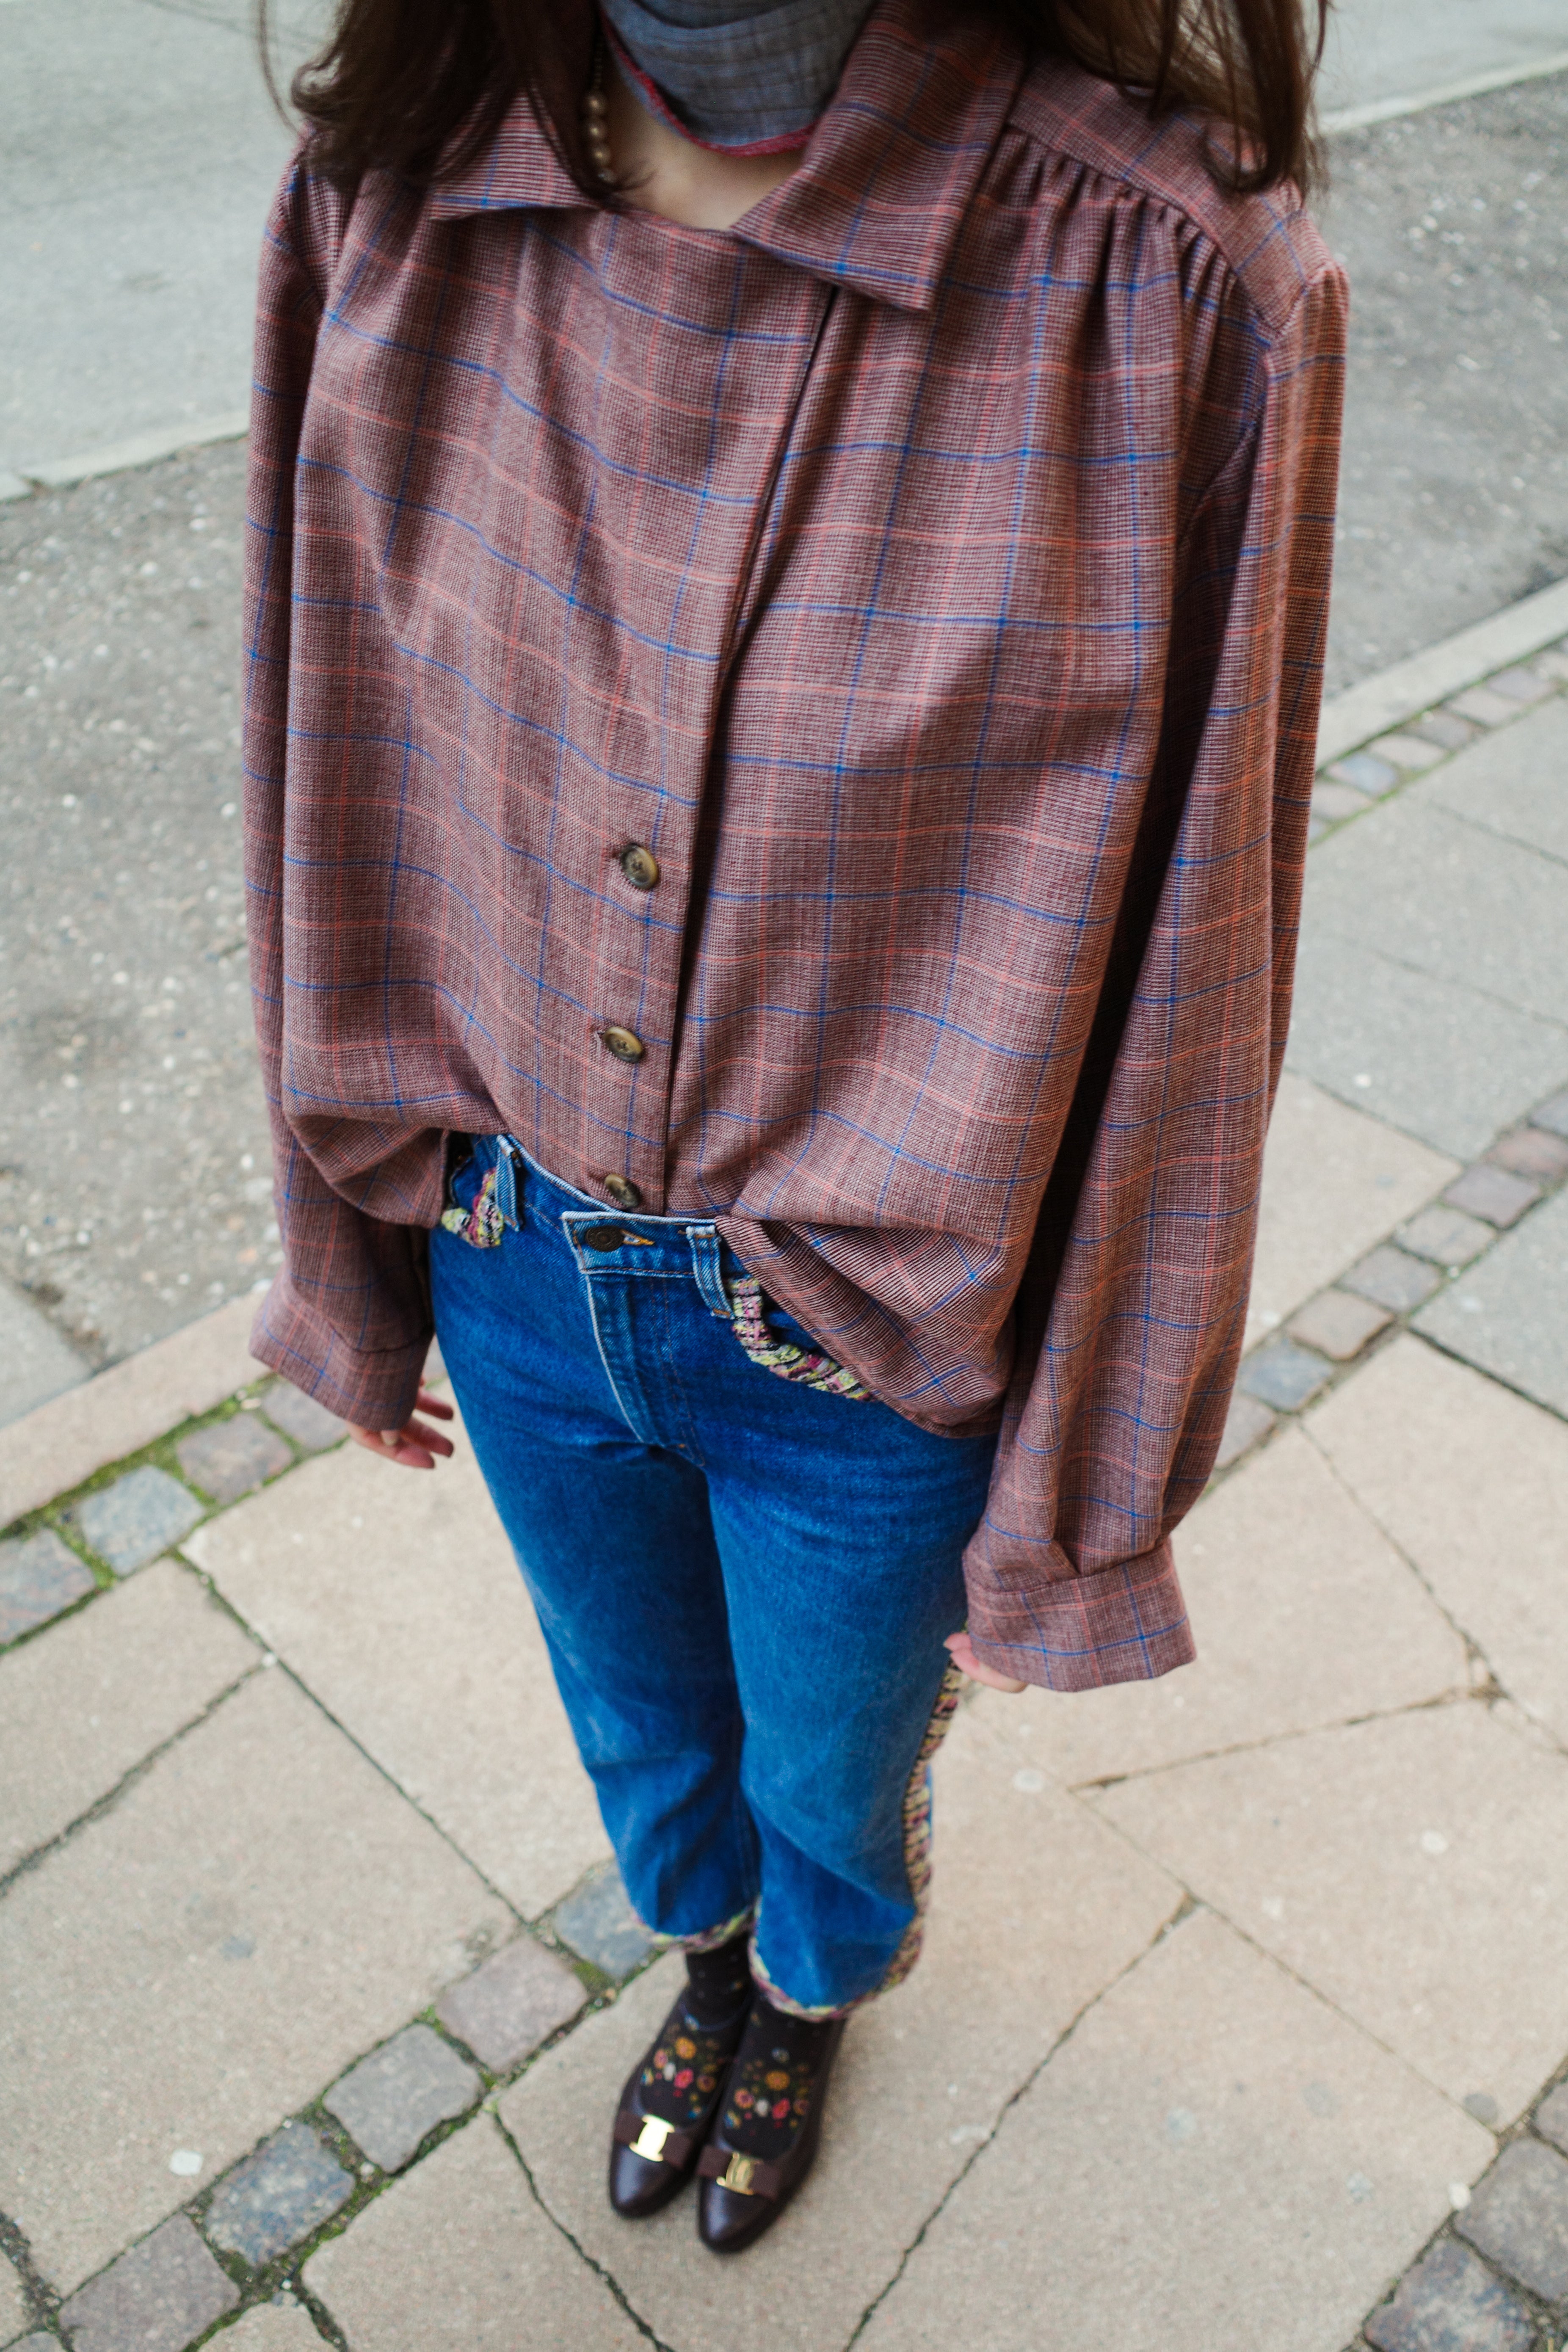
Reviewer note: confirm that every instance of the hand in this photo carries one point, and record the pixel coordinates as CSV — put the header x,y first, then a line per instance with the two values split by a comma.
x,y
414,1447
962,1649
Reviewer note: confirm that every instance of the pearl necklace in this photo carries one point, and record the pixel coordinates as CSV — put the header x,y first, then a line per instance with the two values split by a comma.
x,y
597,122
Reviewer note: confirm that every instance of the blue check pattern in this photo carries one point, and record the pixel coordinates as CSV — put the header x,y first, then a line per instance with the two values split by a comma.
x,y
929,577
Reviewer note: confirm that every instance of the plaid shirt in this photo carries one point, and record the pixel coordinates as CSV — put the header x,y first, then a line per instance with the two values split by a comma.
x,y
931,574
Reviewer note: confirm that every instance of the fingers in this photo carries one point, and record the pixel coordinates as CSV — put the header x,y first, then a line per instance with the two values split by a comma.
x,y
425,1402
962,1650
413,1447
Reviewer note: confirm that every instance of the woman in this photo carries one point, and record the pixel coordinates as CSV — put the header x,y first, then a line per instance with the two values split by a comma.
x,y
788,562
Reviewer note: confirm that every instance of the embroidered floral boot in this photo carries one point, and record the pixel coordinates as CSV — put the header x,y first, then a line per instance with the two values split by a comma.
x,y
673,2094
764,2142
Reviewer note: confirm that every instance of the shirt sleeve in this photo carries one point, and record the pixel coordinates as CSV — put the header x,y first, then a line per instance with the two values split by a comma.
x,y
1131,1314
347,1318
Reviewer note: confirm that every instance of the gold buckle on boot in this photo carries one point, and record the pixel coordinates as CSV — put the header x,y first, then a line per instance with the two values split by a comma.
x,y
649,2141
738,2175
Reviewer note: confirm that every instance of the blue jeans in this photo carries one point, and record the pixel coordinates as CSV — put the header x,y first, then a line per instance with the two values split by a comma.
x,y
744,1581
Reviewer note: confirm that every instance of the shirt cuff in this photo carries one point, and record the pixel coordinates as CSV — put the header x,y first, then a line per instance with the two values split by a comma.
x,y
1123,1624
374,1388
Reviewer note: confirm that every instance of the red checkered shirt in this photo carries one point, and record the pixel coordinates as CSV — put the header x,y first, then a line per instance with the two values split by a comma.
x,y
931,573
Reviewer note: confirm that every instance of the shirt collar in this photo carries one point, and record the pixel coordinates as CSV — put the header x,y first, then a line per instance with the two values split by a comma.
x,y
885,181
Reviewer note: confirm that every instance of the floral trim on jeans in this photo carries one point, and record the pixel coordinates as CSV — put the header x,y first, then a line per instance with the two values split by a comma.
x,y
917,1862
711,1937
482,1225
787,1357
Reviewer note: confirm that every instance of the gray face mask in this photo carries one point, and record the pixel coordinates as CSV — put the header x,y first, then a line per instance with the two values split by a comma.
x,y
739,73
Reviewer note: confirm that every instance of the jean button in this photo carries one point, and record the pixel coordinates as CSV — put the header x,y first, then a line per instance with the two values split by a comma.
x,y
601,1237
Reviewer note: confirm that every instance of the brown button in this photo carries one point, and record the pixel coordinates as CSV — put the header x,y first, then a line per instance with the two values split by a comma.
x,y
640,866
624,1043
624,1192
601,1237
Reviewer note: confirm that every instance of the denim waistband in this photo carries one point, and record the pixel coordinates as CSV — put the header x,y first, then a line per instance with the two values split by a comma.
x,y
609,1240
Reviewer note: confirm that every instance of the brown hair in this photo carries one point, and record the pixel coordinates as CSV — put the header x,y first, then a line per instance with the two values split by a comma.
x,y
419,86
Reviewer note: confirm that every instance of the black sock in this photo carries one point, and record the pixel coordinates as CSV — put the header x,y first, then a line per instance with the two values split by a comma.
x,y
774,2080
718,1981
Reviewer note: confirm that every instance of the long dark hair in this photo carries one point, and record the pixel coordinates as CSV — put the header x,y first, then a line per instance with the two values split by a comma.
x,y
419,86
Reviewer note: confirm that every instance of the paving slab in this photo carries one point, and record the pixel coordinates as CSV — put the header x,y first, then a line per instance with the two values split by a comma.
x,y
282,2326
1552,1116
15,2312
1304,1615
1445,1236
598,1922
1390,1277
1509,1313
37,1361
193,1965
1441,1059
1283,1375
54,1448
1213,2162
81,1709
1532,1151
40,1577
1471,1483
402,2091
1451,2303
290,2187
1519,2218
231,1458
1036,1908
1334,1182
1511,784
456,2257
396,1600
1449,898
1244,1422
129,1523
156,2298
512,2004
1377,1861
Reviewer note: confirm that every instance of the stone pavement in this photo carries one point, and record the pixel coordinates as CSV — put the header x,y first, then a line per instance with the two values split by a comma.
x,y
1243,2024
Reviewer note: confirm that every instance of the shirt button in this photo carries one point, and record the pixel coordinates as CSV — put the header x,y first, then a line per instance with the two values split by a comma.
x,y
624,1192
640,866
624,1043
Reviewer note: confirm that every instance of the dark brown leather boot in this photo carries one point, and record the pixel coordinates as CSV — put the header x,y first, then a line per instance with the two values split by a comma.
x,y
674,2091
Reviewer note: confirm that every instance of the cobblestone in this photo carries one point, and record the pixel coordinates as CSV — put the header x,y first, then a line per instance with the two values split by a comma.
x,y
394,2097
1487,708
1405,750
1333,802
1518,2218
1244,1423
1493,1193
1521,686
1445,1236
598,1922
1338,1324
1551,2118
1443,729
1365,774
512,2004
40,1576
310,1425
277,2195
154,2299
1532,1151
1283,1375
1553,1115
130,1523
1451,2303
233,1457
1393,1281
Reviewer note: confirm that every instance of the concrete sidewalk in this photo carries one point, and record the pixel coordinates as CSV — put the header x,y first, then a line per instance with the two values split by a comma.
x,y
1243,1989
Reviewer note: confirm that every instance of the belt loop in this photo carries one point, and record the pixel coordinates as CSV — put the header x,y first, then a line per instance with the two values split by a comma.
x,y
508,1179
707,1265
